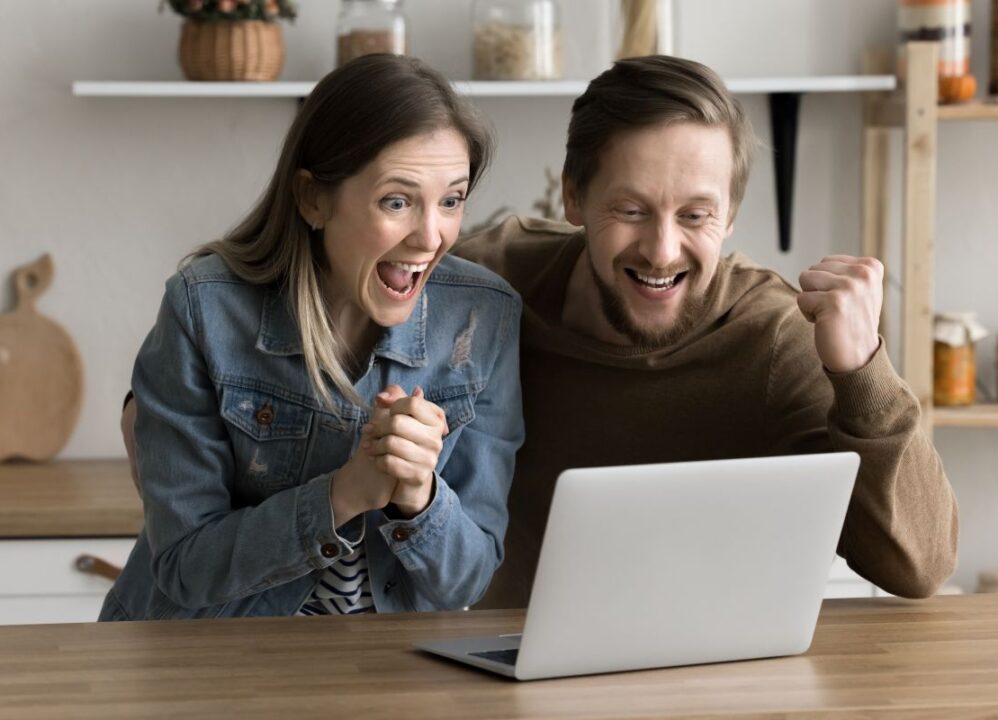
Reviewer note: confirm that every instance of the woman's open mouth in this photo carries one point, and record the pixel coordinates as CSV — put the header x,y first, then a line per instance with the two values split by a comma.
x,y
400,279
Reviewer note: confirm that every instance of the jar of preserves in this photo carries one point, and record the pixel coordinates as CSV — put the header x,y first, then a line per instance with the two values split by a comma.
x,y
948,23
516,40
365,27
953,362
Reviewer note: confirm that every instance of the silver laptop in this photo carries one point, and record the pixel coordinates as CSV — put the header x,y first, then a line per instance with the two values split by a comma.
x,y
649,566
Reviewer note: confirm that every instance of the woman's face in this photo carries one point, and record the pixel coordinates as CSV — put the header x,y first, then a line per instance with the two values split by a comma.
x,y
391,223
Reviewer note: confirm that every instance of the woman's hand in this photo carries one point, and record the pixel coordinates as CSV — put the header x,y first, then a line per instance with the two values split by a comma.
x,y
357,487
404,440
361,485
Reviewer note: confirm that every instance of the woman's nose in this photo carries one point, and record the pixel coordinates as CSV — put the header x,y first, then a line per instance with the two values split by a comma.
x,y
426,234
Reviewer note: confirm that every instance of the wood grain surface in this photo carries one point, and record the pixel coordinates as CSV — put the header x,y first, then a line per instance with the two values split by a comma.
x,y
41,373
71,498
871,658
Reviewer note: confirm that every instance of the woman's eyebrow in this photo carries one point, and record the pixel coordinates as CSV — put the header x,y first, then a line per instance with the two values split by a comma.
x,y
408,182
400,180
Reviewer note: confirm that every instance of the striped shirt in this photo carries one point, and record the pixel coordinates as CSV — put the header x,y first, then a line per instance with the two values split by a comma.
x,y
343,589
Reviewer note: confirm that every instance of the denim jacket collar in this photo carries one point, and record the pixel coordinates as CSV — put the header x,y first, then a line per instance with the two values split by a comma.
x,y
405,343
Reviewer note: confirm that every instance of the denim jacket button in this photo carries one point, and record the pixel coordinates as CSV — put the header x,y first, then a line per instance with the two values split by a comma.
x,y
265,415
329,550
401,534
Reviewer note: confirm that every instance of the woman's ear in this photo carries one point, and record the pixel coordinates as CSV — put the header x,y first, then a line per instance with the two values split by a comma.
x,y
307,199
570,199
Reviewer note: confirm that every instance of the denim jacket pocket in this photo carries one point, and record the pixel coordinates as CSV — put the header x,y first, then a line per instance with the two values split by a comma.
x,y
457,405
270,440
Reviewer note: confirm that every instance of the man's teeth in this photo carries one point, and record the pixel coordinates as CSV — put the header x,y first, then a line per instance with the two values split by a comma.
x,y
657,282
409,267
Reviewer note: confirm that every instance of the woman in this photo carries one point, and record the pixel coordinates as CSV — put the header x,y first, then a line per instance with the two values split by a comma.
x,y
328,405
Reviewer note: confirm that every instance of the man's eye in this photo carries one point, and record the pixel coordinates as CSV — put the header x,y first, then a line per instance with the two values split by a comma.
x,y
696,217
630,212
453,203
394,203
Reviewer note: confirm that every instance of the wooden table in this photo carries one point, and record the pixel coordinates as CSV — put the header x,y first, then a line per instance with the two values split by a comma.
x,y
79,498
882,657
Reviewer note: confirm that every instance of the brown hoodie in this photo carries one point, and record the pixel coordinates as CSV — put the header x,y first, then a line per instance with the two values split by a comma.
x,y
745,382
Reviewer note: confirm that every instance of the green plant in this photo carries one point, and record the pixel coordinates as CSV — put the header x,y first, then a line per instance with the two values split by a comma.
x,y
208,10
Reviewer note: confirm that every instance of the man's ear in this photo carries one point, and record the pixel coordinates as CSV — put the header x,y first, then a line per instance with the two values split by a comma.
x,y
571,200
307,199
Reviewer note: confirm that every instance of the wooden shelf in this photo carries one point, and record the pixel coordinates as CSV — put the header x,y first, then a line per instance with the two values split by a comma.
x,y
561,88
890,111
983,416
974,110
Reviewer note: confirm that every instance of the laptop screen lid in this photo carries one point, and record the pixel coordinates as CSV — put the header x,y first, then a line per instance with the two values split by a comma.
x,y
672,564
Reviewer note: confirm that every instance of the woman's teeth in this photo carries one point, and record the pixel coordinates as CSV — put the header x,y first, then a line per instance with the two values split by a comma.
x,y
409,267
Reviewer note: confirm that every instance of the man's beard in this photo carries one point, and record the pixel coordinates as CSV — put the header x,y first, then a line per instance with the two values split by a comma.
x,y
615,311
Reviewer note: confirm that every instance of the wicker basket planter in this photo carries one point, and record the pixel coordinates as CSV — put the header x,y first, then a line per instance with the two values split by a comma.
x,y
231,50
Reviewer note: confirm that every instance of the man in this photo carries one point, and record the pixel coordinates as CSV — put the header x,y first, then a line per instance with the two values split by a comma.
x,y
640,343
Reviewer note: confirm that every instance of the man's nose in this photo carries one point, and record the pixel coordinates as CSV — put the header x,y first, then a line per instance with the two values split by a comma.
x,y
663,245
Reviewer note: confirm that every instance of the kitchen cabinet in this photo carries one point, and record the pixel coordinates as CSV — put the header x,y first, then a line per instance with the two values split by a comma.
x,y
42,584
59,523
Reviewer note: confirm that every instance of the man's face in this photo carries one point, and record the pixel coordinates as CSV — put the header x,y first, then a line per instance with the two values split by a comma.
x,y
655,216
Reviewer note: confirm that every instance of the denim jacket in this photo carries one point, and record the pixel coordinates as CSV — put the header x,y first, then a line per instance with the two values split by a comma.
x,y
236,453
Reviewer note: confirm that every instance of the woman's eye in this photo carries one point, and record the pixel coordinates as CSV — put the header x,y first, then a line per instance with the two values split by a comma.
x,y
394,203
453,203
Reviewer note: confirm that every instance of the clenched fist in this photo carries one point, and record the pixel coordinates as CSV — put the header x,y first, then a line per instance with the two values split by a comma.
x,y
842,296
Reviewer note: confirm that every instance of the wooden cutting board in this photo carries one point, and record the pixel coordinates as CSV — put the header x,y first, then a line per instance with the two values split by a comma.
x,y
41,374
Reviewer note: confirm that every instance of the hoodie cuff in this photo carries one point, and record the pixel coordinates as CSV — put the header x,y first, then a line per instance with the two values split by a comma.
x,y
868,390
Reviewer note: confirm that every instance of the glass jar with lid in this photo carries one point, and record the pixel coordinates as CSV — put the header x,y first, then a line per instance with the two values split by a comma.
x,y
370,26
516,40
948,23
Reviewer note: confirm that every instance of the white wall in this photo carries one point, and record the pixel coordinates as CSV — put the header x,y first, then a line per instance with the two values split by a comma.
x,y
119,189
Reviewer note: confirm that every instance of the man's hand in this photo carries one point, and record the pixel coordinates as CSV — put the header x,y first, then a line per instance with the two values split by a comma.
x,y
842,296
404,439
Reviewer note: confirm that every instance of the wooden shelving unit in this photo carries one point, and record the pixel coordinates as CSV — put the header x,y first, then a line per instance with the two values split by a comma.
x,y
915,110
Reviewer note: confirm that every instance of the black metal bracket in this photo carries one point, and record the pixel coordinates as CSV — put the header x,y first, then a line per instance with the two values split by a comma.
x,y
784,111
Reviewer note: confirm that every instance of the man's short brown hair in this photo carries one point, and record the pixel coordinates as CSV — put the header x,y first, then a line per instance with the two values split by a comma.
x,y
652,90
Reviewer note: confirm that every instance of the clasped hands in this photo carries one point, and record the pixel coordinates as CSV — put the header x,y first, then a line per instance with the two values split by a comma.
x,y
842,296
396,459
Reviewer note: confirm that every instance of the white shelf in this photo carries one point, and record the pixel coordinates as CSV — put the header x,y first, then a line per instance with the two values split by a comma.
x,y
192,89
563,88
826,83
